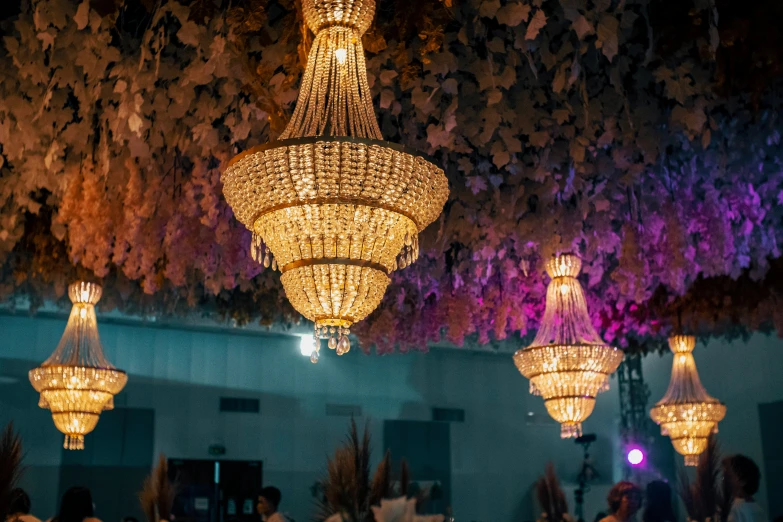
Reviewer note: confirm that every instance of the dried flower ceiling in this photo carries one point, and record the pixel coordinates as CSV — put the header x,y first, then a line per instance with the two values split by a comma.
x,y
634,133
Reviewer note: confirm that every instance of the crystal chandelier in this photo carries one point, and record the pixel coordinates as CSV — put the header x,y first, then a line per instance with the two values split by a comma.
x,y
568,364
687,413
330,204
77,382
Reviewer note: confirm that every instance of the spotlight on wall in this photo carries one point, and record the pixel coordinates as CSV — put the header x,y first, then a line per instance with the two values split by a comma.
x,y
306,344
635,456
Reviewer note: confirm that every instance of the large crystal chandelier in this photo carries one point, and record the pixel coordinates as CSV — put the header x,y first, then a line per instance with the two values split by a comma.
x,y
77,382
330,204
568,363
687,413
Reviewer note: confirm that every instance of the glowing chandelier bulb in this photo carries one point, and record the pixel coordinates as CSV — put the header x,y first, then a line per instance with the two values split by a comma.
x,y
687,413
330,204
76,382
307,345
568,363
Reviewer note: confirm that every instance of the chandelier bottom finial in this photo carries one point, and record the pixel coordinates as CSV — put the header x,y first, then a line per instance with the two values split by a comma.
x,y
74,442
568,430
691,460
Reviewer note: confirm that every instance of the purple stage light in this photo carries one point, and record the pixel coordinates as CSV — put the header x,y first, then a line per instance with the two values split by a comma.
x,y
635,456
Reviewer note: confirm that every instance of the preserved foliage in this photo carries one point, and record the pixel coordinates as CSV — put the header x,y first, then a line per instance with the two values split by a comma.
x,y
644,136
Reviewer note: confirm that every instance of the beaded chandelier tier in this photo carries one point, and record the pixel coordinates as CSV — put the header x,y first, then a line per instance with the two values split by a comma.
x,y
687,413
77,382
330,204
568,363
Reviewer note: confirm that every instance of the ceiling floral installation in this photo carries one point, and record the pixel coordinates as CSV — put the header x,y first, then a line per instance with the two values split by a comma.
x,y
607,128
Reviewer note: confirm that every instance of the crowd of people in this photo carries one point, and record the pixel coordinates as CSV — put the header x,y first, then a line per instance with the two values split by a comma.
x,y
77,506
625,500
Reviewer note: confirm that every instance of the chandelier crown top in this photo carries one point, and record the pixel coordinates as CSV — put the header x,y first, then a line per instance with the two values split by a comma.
x,y
83,292
685,386
356,14
682,343
563,265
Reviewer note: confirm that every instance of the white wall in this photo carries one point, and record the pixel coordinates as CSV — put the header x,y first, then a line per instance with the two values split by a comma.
x,y
497,453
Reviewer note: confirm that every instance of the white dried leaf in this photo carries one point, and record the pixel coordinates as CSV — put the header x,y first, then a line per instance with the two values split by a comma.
x,y
82,16
536,24
582,27
135,123
188,33
513,14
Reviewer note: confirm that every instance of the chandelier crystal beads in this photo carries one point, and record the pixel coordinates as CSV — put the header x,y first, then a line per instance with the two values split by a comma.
x,y
568,363
687,413
76,382
330,204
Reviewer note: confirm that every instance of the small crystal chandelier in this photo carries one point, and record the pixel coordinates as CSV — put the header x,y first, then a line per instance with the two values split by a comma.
x,y
77,382
568,363
687,413
330,204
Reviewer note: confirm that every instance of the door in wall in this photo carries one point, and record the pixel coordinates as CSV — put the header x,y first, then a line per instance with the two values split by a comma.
x,y
114,463
216,490
426,447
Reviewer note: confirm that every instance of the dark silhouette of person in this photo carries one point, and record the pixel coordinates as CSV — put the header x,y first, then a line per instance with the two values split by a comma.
x,y
268,503
76,506
658,503
744,477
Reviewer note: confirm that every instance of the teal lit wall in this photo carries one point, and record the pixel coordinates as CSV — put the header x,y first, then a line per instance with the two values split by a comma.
x,y
495,454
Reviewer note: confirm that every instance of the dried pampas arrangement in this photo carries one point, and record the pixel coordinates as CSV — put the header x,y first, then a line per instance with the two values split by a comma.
x,y
157,494
707,497
348,492
551,497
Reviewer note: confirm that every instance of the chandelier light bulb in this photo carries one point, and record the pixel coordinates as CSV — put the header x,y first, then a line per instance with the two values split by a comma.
x,y
568,363
307,344
687,413
76,382
331,204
